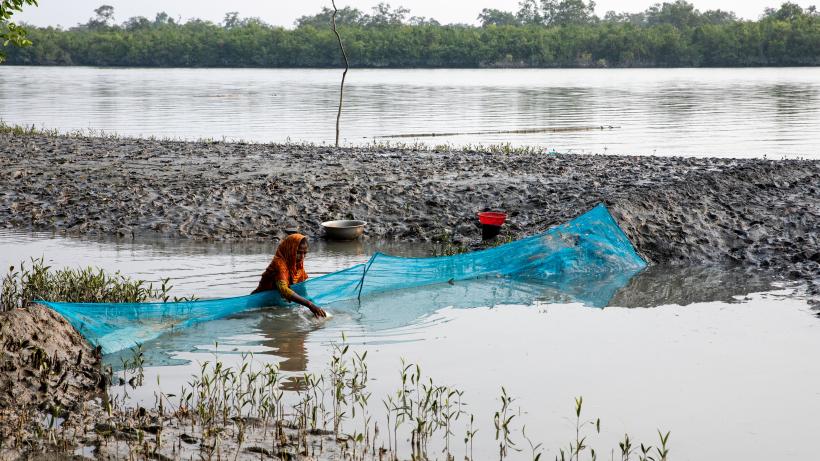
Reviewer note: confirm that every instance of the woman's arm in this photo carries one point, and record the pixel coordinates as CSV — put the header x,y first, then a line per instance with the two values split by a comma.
x,y
291,295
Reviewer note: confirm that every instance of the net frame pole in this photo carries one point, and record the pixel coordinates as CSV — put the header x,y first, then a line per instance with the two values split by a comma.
x,y
364,273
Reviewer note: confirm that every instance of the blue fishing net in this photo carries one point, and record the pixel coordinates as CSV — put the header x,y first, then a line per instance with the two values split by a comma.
x,y
584,260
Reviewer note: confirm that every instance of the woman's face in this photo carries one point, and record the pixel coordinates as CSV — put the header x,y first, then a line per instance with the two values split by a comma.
x,y
301,251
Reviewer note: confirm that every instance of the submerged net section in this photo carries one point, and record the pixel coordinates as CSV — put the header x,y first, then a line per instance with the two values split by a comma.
x,y
590,244
564,258
117,326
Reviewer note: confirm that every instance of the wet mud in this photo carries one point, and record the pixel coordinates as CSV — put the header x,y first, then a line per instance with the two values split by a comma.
x,y
677,210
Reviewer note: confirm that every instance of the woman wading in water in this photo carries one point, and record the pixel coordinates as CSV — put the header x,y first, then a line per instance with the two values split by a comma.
x,y
286,269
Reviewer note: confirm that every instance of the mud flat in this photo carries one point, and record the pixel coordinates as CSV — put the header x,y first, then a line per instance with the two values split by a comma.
x,y
756,214
677,210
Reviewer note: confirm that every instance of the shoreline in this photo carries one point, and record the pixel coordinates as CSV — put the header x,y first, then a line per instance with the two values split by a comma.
x,y
676,210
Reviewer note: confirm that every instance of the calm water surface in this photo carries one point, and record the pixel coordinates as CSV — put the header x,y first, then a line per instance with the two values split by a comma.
x,y
700,112
723,359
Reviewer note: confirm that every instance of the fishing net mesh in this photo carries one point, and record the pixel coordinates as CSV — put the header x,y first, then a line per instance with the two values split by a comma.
x,y
577,252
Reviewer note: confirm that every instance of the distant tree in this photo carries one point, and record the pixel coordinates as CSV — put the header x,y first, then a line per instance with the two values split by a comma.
x,y
679,35
422,21
573,12
163,18
346,16
104,17
494,17
635,19
231,20
679,14
11,33
718,17
556,12
105,14
252,22
136,23
787,12
529,12
384,15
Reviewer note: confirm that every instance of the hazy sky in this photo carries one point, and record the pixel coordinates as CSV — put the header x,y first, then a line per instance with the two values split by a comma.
x,y
284,12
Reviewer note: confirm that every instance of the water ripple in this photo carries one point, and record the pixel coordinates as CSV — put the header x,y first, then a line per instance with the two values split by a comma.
x,y
771,112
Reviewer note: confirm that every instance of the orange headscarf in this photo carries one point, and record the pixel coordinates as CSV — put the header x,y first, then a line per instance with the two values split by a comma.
x,y
286,253
284,267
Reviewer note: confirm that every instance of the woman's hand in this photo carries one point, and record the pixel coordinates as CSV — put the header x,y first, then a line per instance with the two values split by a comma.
x,y
317,311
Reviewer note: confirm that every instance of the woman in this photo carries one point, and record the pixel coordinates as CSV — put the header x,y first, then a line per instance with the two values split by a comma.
x,y
286,269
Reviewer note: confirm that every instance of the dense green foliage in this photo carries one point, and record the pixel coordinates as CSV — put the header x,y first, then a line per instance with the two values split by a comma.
x,y
11,33
545,33
22,287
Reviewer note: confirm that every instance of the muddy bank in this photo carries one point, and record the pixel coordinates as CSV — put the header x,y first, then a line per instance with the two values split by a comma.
x,y
54,404
48,370
96,432
46,363
758,213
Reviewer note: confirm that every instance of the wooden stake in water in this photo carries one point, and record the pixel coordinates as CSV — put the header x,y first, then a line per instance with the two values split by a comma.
x,y
344,74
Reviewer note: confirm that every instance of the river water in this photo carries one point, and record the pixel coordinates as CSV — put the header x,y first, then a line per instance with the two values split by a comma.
x,y
697,112
720,357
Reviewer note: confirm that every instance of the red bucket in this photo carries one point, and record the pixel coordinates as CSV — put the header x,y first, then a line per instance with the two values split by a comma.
x,y
492,218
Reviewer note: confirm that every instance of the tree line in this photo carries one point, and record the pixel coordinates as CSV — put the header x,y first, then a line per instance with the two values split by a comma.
x,y
542,33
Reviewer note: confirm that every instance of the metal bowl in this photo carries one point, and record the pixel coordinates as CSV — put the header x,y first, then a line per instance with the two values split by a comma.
x,y
343,230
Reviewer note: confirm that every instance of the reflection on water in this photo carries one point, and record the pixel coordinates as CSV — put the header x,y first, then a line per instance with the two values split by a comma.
x,y
282,331
396,316
716,374
399,308
218,269
205,269
286,338
715,362
660,285
714,112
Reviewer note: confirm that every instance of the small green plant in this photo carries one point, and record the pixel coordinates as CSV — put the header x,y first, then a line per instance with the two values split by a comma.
x,y
443,245
450,411
626,448
134,365
377,145
580,439
469,436
166,287
357,389
38,281
245,405
338,381
535,448
503,429
663,451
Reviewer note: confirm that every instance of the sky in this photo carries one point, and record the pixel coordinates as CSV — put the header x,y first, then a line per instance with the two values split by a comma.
x,y
68,13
